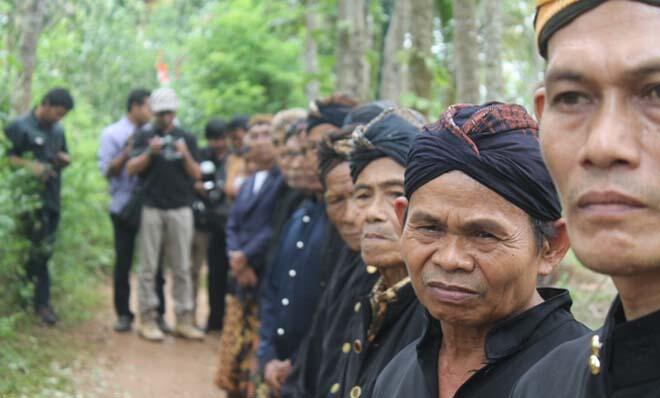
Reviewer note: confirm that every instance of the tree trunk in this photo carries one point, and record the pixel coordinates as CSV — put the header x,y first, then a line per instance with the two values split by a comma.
x,y
492,27
31,20
312,89
393,82
352,64
421,33
466,51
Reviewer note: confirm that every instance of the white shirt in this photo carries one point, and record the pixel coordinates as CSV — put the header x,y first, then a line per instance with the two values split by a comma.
x,y
259,179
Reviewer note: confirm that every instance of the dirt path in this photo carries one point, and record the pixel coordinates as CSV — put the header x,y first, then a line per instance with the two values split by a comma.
x,y
124,365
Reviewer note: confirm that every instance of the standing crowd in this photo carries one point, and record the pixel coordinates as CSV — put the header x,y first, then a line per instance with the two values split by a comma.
x,y
359,250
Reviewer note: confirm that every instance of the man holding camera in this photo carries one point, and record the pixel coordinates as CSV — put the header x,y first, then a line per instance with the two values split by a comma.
x,y
165,159
211,209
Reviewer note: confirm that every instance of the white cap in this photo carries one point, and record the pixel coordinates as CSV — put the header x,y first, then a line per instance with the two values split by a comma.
x,y
163,99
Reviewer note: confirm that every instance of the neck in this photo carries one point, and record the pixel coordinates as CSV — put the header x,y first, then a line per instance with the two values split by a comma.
x,y
640,294
39,113
393,274
265,166
460,341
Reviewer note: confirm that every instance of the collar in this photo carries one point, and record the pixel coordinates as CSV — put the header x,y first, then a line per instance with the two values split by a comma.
x,y
382,298
630,349
505,339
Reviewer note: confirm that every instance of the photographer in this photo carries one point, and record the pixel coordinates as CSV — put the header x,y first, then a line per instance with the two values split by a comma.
x,y
165,159
38,144
210,212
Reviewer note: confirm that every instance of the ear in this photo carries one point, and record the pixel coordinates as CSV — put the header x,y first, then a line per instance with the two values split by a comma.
x,y
554,250
539,102
400,208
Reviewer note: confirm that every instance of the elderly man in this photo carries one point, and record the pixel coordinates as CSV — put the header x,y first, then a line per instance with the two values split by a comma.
x,y
481,221
316,364
600,119
389,317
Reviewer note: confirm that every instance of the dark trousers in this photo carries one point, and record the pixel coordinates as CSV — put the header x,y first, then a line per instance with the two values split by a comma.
x,y
124,250
218,264
42,231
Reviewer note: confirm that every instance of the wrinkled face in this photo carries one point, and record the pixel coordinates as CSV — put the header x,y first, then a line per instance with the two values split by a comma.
x,y
314,137
261,143
600,133
53,114
376,188
142,112
340,206
164,120
293,160
470,253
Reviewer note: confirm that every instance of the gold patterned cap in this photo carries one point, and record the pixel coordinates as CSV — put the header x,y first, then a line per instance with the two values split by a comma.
x,y
552,15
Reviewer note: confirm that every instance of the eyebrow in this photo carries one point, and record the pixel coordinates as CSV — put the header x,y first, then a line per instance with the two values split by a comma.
x,y
422,217
643,70
386,184
561,74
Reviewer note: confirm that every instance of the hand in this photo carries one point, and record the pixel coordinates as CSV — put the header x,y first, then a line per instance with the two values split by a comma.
x,y
199,188
181,147
237,261
275,373
247,277
62,159
156,145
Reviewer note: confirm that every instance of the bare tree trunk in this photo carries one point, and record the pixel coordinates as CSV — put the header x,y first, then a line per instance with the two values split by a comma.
x,y
394,77
31,22
352,64
466,51
312,89
492,26
421,32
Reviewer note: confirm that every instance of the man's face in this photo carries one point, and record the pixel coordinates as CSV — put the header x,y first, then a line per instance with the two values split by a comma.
x,y
142,113
470,253
375,191
53,114
218,145
164,120
600,134
314,137
293,160
340,206
261,143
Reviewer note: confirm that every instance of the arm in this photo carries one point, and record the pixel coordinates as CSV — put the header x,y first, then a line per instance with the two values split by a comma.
x,y
144,148
63,159
188,150
15,152
112,159
268,295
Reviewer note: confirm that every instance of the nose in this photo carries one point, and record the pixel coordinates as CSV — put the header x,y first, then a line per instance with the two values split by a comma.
x,y
613,137
350,212
451,255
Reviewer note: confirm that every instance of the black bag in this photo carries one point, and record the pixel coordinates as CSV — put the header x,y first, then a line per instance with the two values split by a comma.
x,y
131,213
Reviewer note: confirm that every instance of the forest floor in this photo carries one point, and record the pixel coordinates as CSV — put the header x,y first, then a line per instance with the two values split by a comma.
x,y
123,365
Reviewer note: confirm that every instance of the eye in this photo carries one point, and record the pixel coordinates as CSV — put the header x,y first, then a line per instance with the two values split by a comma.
x,y
570,99
484,235
653,93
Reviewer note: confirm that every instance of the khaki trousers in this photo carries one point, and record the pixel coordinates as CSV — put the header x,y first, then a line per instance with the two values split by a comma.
x,y
199,254
171,230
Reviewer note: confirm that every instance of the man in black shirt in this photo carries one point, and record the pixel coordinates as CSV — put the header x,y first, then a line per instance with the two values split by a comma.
x,y
165,159
599,113
38,143
481,220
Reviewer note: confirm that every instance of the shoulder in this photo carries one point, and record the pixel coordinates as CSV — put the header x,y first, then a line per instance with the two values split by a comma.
x,y
401,374
557,373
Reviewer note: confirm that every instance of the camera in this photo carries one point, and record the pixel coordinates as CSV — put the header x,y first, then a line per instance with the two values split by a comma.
x,y
212,209
169,151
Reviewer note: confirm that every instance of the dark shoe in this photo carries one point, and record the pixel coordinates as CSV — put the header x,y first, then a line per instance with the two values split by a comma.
x,y
163,326
123,324
47,316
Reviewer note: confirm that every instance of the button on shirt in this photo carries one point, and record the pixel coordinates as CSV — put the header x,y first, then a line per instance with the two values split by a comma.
x,y
113,141
512,347
629,363
30,138
290,290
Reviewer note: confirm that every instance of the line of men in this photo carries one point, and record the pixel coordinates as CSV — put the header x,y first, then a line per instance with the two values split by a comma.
x,y
406,257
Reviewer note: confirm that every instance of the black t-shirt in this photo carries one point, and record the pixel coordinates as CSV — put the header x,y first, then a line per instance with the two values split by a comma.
x,y
31,140
166,183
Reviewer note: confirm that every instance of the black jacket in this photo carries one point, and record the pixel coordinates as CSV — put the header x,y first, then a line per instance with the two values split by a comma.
x,y
629,363
363,360
512,346
316,367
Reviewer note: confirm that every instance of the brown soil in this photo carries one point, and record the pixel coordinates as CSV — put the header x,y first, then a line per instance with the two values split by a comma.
x,y
124,365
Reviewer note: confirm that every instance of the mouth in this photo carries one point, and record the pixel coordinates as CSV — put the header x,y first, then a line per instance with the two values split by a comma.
x,y
608,203
453,294
374,236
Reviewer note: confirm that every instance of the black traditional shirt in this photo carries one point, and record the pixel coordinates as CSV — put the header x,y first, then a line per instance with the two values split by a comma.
x,y
316,368
28,139
628,354
383,324
512,347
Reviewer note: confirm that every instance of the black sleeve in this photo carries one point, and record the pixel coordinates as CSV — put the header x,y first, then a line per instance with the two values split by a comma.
x,y
17,138
141,143
191,143
65,147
